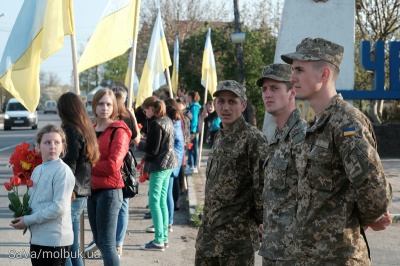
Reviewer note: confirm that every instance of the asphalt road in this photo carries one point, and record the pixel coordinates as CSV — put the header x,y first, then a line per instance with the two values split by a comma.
x,y
14,247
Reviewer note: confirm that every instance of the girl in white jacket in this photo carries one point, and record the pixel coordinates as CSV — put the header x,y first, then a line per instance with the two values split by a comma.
x,y
50,199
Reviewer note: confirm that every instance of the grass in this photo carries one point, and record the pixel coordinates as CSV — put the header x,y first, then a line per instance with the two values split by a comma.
x,y
196,217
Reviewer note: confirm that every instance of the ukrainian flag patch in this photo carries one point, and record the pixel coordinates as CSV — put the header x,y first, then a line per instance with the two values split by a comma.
x,y
349,131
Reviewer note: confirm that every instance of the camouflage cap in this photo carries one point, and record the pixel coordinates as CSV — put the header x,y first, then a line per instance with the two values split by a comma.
x,y
315,49
279,72
233,86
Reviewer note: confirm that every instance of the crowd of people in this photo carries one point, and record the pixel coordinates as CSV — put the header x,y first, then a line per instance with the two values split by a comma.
x,y
305,197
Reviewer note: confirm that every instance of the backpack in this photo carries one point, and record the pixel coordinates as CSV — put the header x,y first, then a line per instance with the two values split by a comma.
x,y
128,173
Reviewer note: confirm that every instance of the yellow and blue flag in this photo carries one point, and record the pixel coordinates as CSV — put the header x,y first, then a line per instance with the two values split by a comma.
x,y
157,61
349,131
208,69
128,77
113,35
38,32
175,66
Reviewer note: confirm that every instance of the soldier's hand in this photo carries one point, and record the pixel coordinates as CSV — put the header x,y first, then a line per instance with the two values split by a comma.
x,y
260,231
382,223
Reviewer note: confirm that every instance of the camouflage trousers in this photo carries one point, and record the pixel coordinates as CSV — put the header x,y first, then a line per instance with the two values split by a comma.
x,y
238,260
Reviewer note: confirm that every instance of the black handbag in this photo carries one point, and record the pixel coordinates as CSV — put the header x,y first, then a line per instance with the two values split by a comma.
x,y
128,173
131,188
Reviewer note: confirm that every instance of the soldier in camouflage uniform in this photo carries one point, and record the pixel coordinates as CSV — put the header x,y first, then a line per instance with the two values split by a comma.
x,y
281,166
233,193
343,188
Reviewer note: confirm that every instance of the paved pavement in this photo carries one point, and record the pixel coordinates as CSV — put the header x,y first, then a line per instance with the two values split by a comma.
x,y
384,245
13,245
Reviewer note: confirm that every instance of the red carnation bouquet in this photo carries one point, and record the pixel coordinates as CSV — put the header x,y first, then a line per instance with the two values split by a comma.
x,y
22,161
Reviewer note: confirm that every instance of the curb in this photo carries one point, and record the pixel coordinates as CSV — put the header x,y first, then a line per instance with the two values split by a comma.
x,y
196,183
191,195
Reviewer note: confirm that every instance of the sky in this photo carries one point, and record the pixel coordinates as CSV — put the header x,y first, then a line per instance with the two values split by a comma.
x,y
87,14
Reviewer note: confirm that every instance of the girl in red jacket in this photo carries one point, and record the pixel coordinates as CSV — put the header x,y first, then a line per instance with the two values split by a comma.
x,y
113,137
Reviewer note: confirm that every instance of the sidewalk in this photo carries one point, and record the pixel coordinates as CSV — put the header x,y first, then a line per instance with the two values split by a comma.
x,y
384,245
14,247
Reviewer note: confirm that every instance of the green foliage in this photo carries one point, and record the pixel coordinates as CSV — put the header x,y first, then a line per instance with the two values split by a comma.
x,y
258,50
115,69
17,207
196,218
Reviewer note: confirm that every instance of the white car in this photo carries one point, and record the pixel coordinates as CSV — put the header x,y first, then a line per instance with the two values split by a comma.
x,y
50,106
16,115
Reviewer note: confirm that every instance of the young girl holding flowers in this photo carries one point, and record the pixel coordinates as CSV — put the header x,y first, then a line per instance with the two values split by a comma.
x,y
50,200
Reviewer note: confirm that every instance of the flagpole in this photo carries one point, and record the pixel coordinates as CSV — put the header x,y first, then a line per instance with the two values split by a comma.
x,y
202,124
133,54
75,65
169,82
78,92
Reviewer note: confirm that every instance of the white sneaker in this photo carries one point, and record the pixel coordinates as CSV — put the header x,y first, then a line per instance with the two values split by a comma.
x,y
150,229
195,171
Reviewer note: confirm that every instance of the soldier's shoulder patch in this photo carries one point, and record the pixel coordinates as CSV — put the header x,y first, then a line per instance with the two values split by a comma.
x,y
349,131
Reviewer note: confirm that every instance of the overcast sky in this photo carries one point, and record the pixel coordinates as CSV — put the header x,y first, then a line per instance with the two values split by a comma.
x,y
87,14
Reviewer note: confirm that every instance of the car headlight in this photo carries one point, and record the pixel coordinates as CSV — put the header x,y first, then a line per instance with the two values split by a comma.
x,y
31,116
6,116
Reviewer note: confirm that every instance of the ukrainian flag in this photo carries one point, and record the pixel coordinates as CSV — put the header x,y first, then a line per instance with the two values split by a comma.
x,y
38,32
157,61
349,131
208,69
113,35
175,69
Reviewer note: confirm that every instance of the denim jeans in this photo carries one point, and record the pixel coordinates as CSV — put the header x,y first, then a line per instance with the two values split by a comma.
x,y
103,207
158,190
170,201
122,224
193,153
77,207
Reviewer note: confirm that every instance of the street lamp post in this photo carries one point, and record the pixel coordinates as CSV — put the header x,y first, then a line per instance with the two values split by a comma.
x,y
238,38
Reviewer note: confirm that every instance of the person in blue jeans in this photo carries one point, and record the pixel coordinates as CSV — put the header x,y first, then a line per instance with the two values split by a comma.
x,y
128,116
160,159
175,114
113,137
81,155
193,98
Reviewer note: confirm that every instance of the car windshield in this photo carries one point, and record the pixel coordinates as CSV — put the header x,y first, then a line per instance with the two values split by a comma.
x,y
16,107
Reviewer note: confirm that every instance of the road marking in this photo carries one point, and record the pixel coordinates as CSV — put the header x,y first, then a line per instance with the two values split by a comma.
x,y
6,148
13,146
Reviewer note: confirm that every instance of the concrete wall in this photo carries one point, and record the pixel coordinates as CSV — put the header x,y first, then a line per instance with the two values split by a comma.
x,y
333,20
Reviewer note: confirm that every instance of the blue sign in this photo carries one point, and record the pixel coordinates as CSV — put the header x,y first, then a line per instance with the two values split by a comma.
x,y
378,66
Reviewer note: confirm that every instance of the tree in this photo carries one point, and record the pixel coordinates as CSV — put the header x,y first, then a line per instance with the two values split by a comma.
x,y
376,20
258,49
115,69
90,78
50,87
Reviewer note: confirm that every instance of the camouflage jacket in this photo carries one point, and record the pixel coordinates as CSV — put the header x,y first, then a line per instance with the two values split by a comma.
x,y
280,189
343,188
233,193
